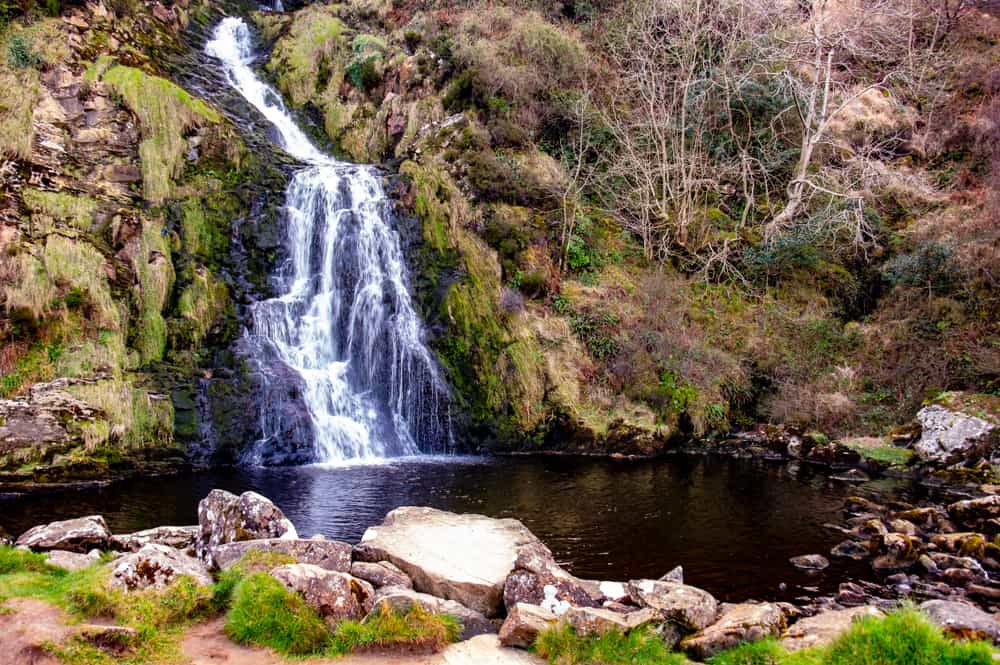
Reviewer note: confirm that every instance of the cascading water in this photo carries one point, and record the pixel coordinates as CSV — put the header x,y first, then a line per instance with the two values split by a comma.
x,y
344,324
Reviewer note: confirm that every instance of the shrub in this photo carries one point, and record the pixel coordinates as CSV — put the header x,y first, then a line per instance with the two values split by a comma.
x,y
930,266
415,630
20,53
265,613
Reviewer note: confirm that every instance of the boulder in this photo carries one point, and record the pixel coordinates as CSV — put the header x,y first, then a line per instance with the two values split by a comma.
x,y
400,599
962,621
971,513
77,535
746,622
381,574
334,595
683,604
523,624
156,566
588,621
180,537
956,431
850,549
824,627
465,558
810,562
538,580
70,560
328,554
227,518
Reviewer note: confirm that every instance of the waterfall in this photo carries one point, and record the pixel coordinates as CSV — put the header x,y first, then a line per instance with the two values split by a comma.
x,y
344,323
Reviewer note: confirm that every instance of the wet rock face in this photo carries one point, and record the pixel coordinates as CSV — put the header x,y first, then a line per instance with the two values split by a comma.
x,y
77,535
227,518
682,604
951,436
747,622
335,596
465,558
156,566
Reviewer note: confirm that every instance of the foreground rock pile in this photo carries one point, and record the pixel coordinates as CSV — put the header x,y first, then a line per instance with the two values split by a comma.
x,y
495,576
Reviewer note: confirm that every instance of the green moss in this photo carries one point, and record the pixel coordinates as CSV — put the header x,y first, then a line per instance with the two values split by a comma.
x,y
886,454
76,210
155,274
165,111
308,59
202,303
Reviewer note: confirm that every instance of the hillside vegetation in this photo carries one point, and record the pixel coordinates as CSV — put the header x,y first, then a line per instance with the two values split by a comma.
x,y
651,218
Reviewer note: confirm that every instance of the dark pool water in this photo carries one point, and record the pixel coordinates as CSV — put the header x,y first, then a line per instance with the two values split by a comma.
x,y
731,523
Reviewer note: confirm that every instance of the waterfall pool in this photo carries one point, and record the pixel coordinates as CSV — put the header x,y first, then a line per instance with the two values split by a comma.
x,y
731,523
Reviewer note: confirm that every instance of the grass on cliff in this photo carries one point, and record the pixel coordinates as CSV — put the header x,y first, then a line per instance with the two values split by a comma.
x,y
904,637
165,111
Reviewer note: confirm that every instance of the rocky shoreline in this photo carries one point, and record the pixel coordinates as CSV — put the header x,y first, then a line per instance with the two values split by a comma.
x,y
495,576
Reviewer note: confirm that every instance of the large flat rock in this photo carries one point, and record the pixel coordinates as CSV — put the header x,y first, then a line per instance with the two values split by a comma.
x,y
465,558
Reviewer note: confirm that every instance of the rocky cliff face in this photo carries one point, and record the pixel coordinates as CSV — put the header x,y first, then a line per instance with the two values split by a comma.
x,y
124,261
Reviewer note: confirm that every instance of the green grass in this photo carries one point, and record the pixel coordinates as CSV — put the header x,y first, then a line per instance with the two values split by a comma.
x,y
265,613
888,454
562,646
904,637
158,616
415,630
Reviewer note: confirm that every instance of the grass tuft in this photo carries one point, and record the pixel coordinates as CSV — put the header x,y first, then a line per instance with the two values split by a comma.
x,y
265,613
413,630
561,645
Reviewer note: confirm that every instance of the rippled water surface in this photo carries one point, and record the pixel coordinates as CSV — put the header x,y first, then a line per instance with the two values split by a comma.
x,y
732,524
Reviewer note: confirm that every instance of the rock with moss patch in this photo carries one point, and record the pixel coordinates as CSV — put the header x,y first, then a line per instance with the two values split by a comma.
x,y
401,600
335,596
974,513
76,535
962,620
824,627
156,566
746,622
587,621
327,554
227,518
691,607
958,428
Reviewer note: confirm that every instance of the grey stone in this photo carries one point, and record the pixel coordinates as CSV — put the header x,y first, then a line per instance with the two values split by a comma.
x,y
686,605
76,535
180,537
400,599
226,518
381,574
951,436
962,621
747,622
156,566
824,627
328,554
334,595
523,624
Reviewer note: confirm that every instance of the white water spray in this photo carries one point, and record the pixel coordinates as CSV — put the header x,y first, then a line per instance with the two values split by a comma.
x,y
344,322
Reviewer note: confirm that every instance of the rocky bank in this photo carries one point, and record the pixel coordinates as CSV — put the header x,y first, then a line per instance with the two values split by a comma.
x,y
496,577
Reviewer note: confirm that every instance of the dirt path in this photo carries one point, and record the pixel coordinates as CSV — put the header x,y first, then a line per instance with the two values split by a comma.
x,y
206,644
25,625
